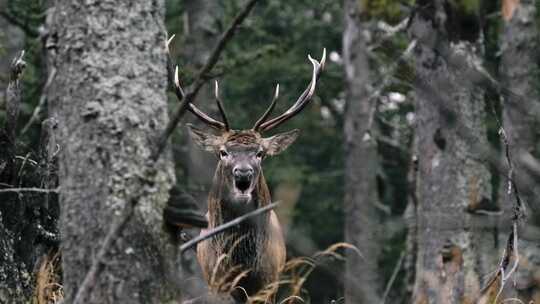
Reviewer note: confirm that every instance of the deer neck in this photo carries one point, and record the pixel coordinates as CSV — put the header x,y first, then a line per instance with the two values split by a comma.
x,y
221,209
242,242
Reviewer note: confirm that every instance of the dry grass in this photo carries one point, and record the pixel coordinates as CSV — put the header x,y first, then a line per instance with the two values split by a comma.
x,y
48,281
294,275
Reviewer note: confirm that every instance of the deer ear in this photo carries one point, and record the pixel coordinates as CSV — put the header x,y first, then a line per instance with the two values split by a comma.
x,y
207,141
279,142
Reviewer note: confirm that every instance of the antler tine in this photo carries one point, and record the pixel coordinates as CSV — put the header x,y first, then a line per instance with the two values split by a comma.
x,y
177,88
209,120
302,101
180,94
221,108
206,119
268,111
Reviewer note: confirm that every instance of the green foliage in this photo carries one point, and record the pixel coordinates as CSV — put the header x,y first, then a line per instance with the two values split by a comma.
x,y
469,6
389,10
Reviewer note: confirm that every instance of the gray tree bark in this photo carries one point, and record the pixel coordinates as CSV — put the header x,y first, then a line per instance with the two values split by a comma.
x,y
361,218
453,184
109,99
519,42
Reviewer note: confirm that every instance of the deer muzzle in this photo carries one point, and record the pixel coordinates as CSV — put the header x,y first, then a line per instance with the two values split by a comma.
x,y
243,178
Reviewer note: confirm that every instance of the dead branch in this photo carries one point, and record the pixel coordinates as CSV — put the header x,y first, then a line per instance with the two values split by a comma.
x,y
510,253
31,189
14,95
387,79
226,226
119,224
41,104
397,268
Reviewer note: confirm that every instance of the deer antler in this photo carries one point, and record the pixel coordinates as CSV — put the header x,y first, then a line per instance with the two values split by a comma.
x,y
269,110
262,125
200,114
180,94
209,120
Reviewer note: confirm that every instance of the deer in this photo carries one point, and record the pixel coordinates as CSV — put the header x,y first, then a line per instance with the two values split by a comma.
x,y
252,253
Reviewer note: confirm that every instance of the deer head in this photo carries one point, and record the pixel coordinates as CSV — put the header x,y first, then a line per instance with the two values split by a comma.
x,y
241,152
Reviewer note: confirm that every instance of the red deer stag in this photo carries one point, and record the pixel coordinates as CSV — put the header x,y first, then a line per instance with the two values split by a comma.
x,y
253,251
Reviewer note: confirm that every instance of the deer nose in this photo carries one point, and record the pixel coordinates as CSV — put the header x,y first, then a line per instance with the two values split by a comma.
x,y
243,172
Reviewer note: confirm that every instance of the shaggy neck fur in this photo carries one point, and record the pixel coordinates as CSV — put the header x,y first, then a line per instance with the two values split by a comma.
x,y
240,242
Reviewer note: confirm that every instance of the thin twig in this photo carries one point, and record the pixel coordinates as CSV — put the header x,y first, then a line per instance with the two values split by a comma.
x,y
393,277
14,96
41,103
223,227
386,79
30,189
119,224
504,271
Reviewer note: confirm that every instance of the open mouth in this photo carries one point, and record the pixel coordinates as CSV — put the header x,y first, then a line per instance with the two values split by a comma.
x,y
242,185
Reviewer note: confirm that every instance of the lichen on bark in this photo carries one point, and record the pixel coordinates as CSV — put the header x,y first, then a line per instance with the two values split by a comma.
x,y
109,97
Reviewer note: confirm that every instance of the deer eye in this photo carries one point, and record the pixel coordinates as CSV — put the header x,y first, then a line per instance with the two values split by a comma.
x,y
259,154
223,153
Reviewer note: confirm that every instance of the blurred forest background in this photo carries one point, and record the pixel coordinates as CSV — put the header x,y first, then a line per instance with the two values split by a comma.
x,y
404,152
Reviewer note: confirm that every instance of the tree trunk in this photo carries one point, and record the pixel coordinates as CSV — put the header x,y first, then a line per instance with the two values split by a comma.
x,y
109,99
361,218
519,48
453,185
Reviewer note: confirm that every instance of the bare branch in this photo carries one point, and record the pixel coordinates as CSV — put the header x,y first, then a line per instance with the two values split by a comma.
x,y
510,253
393,277
41,103
226,226
14,95
31,189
